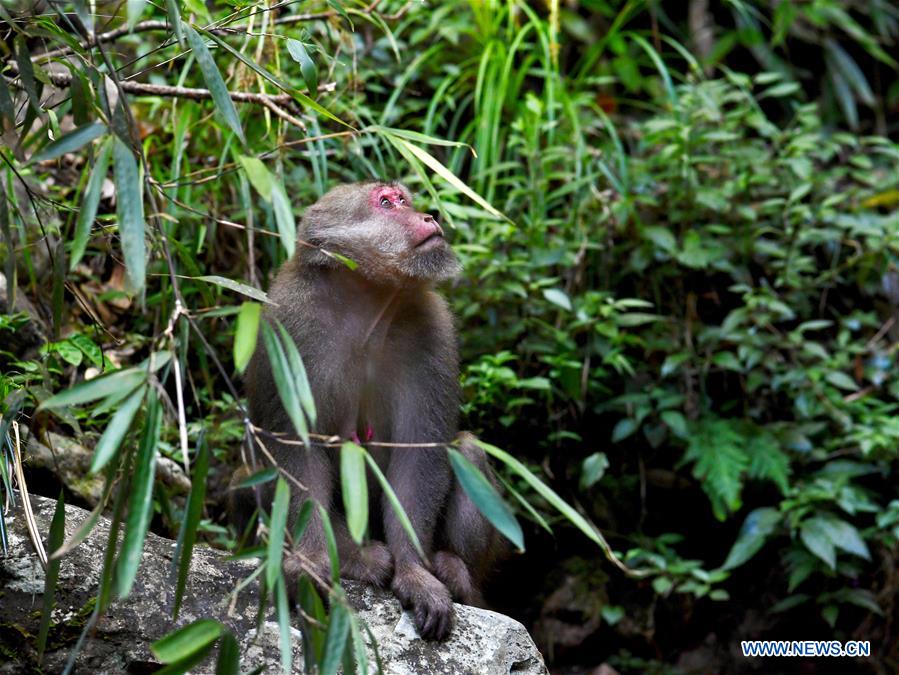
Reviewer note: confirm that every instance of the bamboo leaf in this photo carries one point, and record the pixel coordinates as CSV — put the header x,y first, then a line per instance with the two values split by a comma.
x,y
277,526
55,540
335,641
187,535
72,141
486,498
354,488
228,662
135,10
298,370
236,286
395,504
122,380
258,478
115,431
220,95
284,633
298,53
246,333
130,213
287,226
187,641
26,73
284,381
545,491
260,177
89,204
140,500
331,543
434,164
298,95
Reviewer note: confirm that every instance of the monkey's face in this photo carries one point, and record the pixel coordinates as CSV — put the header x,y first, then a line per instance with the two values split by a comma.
x,y
376,226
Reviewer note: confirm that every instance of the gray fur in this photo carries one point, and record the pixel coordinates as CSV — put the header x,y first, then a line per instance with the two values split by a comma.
x,y
380,350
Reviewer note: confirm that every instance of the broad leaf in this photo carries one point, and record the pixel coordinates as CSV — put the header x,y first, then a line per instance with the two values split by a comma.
x,y
220,94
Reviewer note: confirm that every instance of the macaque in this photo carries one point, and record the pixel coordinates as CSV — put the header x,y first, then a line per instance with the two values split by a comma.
x,y
379,347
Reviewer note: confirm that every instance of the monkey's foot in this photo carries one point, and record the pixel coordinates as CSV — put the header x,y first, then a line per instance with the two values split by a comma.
x,y
429,600
371,564
452,571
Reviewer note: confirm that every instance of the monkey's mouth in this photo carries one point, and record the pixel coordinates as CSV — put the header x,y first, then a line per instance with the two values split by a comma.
x,y
430,240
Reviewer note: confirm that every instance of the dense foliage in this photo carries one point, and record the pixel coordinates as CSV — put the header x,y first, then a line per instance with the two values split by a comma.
x,y
679,304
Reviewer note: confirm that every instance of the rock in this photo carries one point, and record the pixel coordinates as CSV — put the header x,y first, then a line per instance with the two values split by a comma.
x,y
69,462
482,642
32,333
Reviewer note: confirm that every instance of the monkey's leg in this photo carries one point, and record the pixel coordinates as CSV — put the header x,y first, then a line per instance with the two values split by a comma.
x,y
314,469
420,478
473,543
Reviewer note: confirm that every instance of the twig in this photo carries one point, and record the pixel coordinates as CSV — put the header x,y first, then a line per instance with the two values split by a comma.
x,y
179,388
30,522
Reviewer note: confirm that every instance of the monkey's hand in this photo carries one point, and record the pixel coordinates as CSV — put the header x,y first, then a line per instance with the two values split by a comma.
x,y
429,600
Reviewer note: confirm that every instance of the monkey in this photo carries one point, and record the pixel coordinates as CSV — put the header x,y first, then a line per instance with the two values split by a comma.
x,y
379,347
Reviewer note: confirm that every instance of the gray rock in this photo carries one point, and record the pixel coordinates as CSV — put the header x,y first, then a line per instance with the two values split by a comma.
x,y
482,642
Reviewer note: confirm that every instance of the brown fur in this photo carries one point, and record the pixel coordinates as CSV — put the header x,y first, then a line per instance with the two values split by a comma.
x,y
379,347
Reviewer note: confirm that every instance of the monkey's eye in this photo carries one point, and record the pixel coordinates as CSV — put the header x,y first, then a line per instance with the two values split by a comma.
x,y
385,203
402,201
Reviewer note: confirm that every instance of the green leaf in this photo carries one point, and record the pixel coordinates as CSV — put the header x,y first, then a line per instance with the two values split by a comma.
x,y
228,662
140,501
330,542
258,174
115,431
558,297
186,641
55,540
26,72
429,160
841,380
354,488
547,493
130,213
100,387
335,641
135,10
486,498
187,535
236,286
298,370
593,469
277,527
623,428
756,529
847,538
282,608
298,95
246,333
287,226
394,501
299,54
89,348
285,380
72,141
220,95
814,534
258,478
675,421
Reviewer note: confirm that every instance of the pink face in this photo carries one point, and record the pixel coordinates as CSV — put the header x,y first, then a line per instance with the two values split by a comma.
x,y
421,228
